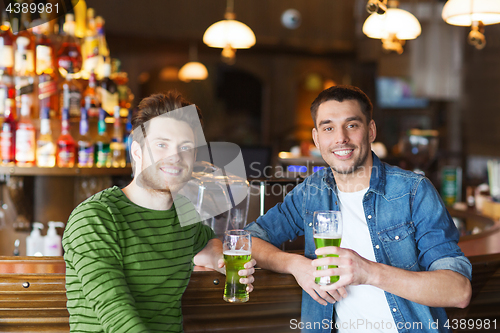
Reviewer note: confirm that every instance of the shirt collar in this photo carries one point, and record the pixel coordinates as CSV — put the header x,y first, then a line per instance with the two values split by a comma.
x,y
377,177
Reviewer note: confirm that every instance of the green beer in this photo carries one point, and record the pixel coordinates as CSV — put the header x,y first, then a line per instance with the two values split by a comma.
x,y
234,291
321,240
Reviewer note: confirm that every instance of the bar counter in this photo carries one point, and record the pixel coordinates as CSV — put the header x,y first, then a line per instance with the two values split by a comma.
x,y
33,298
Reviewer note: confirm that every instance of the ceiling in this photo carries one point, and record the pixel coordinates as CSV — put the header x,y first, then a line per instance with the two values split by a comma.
x,y
327,25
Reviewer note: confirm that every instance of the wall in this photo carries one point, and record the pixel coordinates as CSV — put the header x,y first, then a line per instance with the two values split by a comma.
x,y
480,100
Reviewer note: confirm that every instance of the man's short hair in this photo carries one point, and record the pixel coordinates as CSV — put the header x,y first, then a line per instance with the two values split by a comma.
x,y
161,104
340,94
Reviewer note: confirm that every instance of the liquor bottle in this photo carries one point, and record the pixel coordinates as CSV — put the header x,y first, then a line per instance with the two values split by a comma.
x,y
108,91
45,146
25,136
45,69
102,155
69,53
127,138
7,89
90,101
24,64
71,94
103,46
24,54
85,146
65,144
121,80
6,47
117,146
80,10
90,48
8,133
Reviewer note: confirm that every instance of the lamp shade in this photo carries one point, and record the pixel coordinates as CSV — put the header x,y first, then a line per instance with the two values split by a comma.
x,y
464,12
395,22
229,32
193,71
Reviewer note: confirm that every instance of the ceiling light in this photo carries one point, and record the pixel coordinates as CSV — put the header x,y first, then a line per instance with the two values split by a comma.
x,y
393,28
169,73
473,13
464,12
395,22
229,34
193,70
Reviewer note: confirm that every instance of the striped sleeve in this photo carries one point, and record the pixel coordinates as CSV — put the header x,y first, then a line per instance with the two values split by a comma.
x,y
93,254
203,235
188,216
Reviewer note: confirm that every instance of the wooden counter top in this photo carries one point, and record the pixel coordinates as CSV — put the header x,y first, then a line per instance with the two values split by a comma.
x,y
34,300
482,246
33,294
483,243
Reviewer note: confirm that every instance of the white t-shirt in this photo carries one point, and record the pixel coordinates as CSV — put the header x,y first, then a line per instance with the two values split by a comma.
x,y
365,309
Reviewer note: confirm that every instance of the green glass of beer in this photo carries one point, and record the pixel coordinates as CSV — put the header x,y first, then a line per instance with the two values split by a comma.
x,y
327,231
237,250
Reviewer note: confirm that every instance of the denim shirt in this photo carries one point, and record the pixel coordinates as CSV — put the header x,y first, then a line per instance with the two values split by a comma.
x,y
409,226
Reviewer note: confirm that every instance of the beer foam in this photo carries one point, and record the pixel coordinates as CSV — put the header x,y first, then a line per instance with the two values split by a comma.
x,y
237,253
327,236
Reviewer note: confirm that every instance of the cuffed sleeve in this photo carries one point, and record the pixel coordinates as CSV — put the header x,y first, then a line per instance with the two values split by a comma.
x,y
436,234
257,231
460,265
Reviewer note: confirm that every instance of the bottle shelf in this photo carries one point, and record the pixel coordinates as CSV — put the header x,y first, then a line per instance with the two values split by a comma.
x,y
56,171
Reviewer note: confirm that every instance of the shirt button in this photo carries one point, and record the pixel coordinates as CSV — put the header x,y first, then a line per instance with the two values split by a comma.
x,y
310,224
377,247
394,310
369,217
396,238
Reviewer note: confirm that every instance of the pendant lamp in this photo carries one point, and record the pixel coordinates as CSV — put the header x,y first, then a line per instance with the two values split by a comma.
x,y
193,70
393,27
229,34
473,13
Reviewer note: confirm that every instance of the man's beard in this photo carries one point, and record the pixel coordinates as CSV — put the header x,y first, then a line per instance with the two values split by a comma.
x,y
357,165
152,178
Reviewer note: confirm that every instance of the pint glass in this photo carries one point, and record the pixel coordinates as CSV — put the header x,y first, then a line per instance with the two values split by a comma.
x,y
327,231
237,249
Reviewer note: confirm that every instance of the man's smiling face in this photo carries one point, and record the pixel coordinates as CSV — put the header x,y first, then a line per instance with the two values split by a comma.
x,y
168,155
343,136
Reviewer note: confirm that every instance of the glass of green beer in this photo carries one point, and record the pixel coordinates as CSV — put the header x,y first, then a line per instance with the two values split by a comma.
x,y
327,231
237,250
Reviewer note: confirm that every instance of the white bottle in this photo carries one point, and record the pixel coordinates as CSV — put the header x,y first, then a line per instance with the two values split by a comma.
x,y
52,242
34,242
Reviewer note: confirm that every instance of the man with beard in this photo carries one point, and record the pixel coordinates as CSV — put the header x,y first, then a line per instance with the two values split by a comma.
x,y
399,262
130,252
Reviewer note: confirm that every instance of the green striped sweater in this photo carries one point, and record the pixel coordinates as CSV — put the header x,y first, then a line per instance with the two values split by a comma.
x,y
127,266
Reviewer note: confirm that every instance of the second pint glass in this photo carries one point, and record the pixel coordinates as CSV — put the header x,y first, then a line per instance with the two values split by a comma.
x,y
237,249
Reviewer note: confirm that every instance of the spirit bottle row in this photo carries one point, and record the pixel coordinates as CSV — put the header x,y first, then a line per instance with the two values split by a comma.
x,y
20,146
47,76
60,71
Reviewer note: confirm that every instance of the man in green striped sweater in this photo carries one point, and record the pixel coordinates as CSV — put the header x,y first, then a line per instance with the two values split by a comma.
x,y
130,252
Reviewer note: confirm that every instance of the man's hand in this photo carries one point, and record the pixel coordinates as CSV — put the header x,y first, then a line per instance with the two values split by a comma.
x,y
352,269
246,274
304,272
438,288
